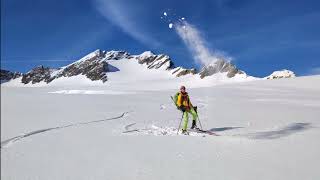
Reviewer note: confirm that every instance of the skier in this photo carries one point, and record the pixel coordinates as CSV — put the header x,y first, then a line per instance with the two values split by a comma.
x,y
184,104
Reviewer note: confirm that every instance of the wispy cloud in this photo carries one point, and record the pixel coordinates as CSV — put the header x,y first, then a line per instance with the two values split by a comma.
x,y
124,15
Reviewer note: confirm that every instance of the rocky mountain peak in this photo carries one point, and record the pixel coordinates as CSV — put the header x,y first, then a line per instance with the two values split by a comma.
x,y
220,66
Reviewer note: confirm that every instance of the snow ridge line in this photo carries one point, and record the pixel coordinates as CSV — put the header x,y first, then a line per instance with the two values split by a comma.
x,y
10,141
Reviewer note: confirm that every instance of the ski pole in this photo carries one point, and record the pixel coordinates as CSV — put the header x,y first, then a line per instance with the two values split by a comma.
x,y
199,122
196,109
179,124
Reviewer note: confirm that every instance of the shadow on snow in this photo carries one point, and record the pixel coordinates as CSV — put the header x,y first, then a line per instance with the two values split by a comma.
x,y
223,129
283,132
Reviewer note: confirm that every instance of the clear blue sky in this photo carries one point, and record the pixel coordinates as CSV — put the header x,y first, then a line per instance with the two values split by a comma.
x,y
261,36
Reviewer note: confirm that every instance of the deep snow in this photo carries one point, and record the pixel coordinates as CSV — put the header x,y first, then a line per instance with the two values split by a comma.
x,y
269,130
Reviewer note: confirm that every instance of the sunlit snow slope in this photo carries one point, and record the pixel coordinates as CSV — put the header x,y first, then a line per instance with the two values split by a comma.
x,y
269,129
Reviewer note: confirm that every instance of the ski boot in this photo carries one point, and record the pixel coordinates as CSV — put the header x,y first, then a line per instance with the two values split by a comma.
x,y
184,132
194,125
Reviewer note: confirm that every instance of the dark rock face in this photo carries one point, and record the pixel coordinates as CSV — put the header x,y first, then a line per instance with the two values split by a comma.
x,y
162,61
8,75
146,60
220,66
182,72
36,75
116,55
92,66
155,61
94,70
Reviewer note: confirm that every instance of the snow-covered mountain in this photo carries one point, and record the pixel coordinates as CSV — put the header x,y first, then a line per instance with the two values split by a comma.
x,y
281,74
108,66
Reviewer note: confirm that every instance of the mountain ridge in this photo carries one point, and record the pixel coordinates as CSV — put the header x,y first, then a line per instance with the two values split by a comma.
x,y
97,65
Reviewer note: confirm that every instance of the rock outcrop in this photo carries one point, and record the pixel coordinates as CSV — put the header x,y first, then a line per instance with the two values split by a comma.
x,y
162,61
8,75
37,75
182,72
155,61
92,66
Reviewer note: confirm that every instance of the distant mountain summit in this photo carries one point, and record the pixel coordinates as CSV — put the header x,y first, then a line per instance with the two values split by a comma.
x,y
97,65
220,66
281,74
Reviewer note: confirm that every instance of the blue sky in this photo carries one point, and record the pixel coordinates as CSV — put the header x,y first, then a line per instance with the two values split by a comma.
x,y
261,36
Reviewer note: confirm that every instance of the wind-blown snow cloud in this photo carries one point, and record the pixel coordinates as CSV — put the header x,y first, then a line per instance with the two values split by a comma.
x,y
196,44
121,14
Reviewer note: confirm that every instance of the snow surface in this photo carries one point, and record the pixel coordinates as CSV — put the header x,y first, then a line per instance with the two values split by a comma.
x,y
268,130
75,91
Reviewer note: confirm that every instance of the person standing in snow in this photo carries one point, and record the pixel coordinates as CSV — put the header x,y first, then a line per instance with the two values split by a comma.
x,y
184,104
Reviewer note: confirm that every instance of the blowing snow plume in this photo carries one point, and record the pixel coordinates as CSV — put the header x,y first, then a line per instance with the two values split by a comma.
x,y
196,44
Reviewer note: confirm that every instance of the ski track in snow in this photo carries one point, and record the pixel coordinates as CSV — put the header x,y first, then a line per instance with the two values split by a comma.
x,y
9,142
169,131
160,131
128,126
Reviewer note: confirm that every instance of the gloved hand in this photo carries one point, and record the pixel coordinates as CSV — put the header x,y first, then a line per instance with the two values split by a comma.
x,y
182,108
195,109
